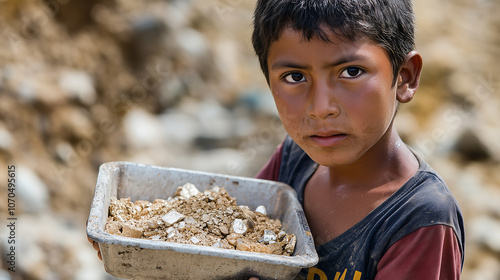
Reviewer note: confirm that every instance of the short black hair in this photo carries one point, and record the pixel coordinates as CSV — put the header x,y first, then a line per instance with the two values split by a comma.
x,y
388,23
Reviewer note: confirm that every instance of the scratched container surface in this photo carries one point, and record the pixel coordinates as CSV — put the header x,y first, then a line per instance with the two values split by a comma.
x,y
134,258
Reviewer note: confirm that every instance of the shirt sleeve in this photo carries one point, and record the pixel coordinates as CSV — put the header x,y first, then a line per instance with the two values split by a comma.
x,y
431,253
271,170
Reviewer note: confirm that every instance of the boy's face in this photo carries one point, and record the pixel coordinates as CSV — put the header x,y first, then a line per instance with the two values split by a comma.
x,y
335,99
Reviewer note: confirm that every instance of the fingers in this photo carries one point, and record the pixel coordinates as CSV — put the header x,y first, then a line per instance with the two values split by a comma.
x,y
96,246
253,278
88,237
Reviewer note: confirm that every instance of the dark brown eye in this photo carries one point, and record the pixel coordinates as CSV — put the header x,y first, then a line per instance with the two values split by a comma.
x,y
294,78
351,72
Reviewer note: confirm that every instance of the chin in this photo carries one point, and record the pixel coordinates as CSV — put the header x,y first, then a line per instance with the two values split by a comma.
x,y
332,163
331,159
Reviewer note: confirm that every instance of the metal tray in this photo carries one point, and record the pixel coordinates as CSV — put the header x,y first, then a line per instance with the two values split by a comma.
x,y
134,258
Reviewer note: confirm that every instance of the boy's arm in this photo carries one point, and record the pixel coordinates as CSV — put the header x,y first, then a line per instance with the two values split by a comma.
x,y
271,170
428,253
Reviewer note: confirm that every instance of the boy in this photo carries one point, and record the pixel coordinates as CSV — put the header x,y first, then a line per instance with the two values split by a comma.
x,y
337,70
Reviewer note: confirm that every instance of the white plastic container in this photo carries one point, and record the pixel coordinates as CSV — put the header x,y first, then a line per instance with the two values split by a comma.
x,y
134,258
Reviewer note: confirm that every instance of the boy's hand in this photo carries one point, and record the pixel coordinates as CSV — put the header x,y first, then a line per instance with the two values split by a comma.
x,y
96,247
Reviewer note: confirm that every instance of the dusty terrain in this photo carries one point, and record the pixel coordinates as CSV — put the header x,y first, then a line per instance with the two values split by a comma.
x,y
175,83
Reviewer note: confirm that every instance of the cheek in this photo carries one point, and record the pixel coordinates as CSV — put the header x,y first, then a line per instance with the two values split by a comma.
x,y
372,108
289,106
290,109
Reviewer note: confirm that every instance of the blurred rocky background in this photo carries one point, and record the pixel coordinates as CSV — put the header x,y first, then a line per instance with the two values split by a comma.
x,y
175,83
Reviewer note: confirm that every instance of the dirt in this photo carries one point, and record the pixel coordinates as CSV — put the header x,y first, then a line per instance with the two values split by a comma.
x,y
209,218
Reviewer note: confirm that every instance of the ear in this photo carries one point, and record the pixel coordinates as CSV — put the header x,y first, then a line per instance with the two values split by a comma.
x,y
409,77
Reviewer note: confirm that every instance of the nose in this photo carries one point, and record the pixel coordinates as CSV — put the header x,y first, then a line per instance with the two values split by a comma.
x,y
323,102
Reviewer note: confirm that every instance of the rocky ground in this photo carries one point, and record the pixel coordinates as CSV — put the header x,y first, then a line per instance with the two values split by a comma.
x,y
175,83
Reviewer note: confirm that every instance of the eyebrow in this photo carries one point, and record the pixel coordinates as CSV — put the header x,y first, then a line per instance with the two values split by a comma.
x,y
284,63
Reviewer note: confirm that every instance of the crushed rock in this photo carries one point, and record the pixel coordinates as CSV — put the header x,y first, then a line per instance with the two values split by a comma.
x,y
209,218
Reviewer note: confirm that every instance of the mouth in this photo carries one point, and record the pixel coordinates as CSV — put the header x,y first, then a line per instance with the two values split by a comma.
x,y
328,139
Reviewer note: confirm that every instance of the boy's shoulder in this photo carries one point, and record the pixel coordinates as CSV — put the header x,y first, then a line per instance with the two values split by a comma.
x,y
425,200
427,190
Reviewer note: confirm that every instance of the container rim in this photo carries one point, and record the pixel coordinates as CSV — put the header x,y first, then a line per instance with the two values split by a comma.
x,y
94,231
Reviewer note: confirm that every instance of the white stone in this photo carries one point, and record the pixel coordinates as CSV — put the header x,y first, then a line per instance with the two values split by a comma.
x,y
194,239
224,160
142,129
179,128
484,230
172,89
261,209
216,121
190,220
78,85
155,237
239,226
65,152
205,218
182,226
268,236
192,42
188,190
209,194
5,139
31,191
172,217
218,244
26,91
177,14
171,232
